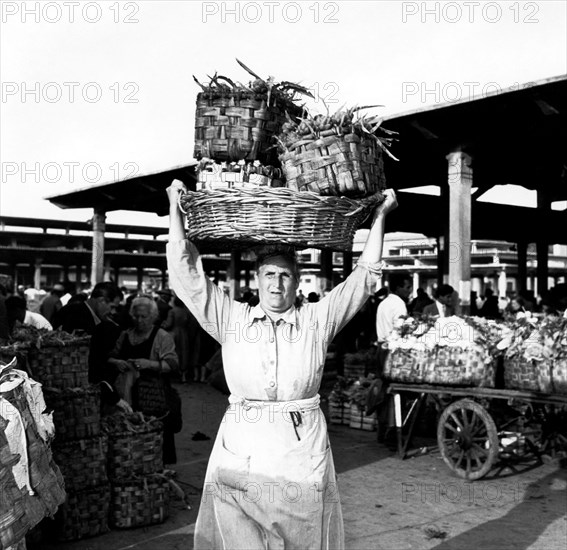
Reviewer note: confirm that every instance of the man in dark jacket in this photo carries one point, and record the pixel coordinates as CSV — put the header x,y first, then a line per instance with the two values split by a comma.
x,y
85,316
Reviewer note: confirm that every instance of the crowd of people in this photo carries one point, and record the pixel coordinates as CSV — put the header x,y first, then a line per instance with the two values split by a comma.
x,y
137,341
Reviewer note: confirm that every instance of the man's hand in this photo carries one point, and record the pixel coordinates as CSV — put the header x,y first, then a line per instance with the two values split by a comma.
x,y
174,190
390,203
121,365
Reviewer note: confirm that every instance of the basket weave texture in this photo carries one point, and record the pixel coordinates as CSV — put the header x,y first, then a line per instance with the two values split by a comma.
x,y
137,502
135,452
235,125
76,412
61,366
13,525
347,165
441,365
84,514
240,218
525,374
82,462
559,373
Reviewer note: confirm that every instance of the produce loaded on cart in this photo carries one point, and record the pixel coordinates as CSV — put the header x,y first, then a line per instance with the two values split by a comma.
x,y
487,416
271,173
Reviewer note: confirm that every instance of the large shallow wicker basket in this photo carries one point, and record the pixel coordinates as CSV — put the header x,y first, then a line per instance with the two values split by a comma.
x,y
241,218
235,125
335,165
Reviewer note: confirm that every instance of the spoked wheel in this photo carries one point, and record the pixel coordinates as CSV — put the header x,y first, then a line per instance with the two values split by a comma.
x,y
467,439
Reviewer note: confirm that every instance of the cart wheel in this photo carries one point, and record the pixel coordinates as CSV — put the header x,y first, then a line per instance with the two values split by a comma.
x,y
467,439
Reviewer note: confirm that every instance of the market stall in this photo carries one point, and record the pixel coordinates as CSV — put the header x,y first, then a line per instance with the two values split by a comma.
x,y
500,387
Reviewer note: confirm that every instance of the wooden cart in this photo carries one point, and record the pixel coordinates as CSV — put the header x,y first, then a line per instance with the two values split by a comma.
x,y
473,423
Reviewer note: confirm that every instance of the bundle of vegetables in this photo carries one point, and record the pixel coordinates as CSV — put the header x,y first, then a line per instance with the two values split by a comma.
x,y
339,154
236,121
359,391
340,392
130,423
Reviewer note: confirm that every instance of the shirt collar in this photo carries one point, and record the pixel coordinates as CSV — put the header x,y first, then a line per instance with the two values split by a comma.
x,y
289,316
96,318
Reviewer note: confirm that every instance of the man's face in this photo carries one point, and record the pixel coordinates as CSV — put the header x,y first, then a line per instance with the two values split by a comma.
x,y
405,291
102,307
277,284
446,299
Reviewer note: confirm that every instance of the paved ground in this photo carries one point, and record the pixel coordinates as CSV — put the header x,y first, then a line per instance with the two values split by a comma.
x,y
388,504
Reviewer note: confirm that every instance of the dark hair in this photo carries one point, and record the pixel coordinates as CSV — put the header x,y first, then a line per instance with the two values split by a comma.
x,y
106,289
444,290
14,303
397,280
266,253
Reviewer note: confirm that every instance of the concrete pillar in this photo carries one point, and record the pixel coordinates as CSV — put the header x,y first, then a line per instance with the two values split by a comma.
x,y
117,275
163,278
233,275
502,283
140,277
476,285
415,281
97,263
542,250
78,277
522,265
327,269
459,249
37,273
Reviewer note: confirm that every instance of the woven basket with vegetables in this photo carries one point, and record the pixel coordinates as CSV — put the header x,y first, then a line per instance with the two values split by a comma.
x,y
335,155
234,121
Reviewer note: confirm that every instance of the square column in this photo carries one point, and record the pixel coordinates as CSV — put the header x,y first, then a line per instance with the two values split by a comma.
x,y
97,263
459,247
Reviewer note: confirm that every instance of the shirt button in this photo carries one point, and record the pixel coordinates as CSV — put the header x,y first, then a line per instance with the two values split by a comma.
x,y
272,384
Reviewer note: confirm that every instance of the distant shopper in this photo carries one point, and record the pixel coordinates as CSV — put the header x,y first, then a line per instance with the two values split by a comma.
x,y
443,304
18,312
52,303
422,300
489,309
85,316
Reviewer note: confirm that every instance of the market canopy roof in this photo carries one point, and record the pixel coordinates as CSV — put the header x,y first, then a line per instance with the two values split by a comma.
x,y
143,193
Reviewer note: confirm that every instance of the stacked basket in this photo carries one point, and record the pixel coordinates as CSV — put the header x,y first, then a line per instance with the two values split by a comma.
x,y
80,448
38,489
334,173
139,490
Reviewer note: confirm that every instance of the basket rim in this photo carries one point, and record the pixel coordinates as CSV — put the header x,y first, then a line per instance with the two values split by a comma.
x,y
283,194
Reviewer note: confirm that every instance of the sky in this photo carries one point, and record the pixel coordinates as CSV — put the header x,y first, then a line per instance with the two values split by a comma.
x,y
92,92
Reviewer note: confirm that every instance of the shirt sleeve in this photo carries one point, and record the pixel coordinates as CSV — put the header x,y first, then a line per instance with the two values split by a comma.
x,y
205,300
163,349
336,309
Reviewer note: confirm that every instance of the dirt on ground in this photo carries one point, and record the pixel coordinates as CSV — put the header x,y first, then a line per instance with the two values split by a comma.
x,y
388,503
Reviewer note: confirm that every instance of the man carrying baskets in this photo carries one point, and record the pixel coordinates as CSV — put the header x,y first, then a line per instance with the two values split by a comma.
x,y
271,481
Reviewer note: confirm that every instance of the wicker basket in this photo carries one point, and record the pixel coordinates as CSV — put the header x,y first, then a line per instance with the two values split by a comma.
x,y
82,462
347,165
137,502
235,125
441,365
241,218
13,525
76,412
559,373
527,374
136,453
360,421
62,367
84,514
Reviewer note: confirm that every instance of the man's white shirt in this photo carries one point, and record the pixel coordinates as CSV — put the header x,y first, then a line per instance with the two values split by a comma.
x,y
388,315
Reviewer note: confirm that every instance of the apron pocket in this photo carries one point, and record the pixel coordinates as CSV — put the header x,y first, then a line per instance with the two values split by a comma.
x,y
233,470
320,469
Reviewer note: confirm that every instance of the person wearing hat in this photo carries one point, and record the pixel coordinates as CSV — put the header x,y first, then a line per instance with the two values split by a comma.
x,y
271,480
